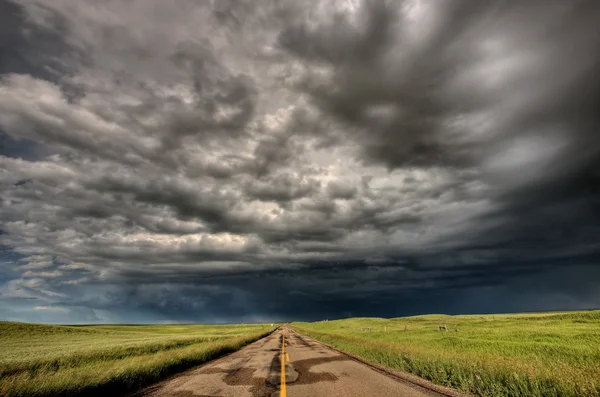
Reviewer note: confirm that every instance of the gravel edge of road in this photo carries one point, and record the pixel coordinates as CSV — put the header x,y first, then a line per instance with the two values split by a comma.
x,y
404,377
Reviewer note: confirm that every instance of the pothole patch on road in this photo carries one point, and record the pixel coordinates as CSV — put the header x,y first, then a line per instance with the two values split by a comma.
x,y
310,377
243,377
291,375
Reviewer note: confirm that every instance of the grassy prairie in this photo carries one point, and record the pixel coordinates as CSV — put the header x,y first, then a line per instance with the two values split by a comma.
x,y
528,354
44,360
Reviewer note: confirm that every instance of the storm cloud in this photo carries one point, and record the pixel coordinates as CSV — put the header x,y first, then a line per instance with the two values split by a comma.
x,y
254,161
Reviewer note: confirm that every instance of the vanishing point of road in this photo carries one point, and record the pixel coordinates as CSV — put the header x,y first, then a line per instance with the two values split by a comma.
x,y
286,364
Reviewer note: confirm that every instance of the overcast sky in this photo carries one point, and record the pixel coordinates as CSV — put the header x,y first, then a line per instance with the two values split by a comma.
x,y
244,160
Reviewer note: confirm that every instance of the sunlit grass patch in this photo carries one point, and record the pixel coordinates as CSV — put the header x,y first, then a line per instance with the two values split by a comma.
x,y
529,354
45,360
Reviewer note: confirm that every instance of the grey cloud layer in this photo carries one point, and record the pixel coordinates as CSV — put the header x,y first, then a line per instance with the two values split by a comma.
x,y
207,158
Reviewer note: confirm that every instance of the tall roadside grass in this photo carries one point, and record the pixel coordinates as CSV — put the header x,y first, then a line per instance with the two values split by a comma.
x,y
40,360
542,354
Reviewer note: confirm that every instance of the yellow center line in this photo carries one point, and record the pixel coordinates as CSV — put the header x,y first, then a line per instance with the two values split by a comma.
x,y
282,392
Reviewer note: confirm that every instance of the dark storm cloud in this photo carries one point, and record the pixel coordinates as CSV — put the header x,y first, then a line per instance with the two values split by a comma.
x,y
17,34
230,161
429,103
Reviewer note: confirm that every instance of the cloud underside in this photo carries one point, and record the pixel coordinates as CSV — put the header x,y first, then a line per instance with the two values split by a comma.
x,y
238,161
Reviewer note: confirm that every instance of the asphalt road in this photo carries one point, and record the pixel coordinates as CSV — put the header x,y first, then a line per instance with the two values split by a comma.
x,y
311,369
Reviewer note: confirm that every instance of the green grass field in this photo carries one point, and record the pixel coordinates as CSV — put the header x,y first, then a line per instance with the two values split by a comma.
x,y
536,354
45,360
